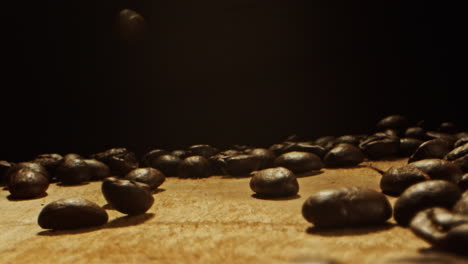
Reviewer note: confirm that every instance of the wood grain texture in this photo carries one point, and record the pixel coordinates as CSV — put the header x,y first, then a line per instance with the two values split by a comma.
x,y
213,220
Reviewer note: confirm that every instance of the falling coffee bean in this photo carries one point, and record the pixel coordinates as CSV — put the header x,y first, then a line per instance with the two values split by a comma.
x,y
299,162
274,182
343,155
461,207
71,213
128,197
380,146
194,167
396,180
26,183
152,177
73,172
431,149
423,195
344,207
167,164
120,160
408,146
439,169
241,165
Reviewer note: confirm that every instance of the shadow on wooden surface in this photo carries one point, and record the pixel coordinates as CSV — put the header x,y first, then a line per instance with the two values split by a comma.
x,y
434,251
349,231
124,221
159,190
72,185
263,197
13,199
309,173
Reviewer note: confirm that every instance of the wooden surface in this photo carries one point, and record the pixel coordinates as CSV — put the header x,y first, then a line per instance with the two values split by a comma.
x,y
213,220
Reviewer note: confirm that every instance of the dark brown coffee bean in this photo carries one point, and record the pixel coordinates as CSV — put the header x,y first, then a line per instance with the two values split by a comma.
x,y
120,160
392,132
431,149
73,171
457,152
152,155
278,149
241,165
28,165
49,161
408,146
397,122
343,207
4,167
128,197
416,132
266,157
439,169
442,228
152,177
72,156
449,127
435,134
26,183
194,167
460,142
203,150
463,182
181,154
462,163
72,213
396,180
98,170
325,141
167,164
380,146
423,195
343,155
460,135
274,182
461,207
131,25
299,162
304,147
350,139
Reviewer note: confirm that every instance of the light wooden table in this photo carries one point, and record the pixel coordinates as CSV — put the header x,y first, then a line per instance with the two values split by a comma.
x,y
213,220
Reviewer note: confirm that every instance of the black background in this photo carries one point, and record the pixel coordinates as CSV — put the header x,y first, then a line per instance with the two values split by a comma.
x,y
223,72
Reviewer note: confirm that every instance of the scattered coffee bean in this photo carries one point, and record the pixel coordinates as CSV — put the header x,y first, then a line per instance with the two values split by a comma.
x,y
442,228
343,207
435,134
350,139
343,155
274,182
194,167
49,161
128,197
4,167
304,147
457,152
131,25
73,172
71,213
120,160
396,180
431,149
460,142
408,146
72,156
181,154
150,176
397,122
463,182
26,183
380,146
266,157
448,127
28,165
152,155
416,132
97,170
241,165
203,150
423,195
439,169
167,164
462,163
461,207
299,162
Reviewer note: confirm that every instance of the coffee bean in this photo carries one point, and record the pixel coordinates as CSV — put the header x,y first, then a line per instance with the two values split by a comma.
x,y
463,182
71,213
448,127
396,180
431,149
349,206
72,156
350,139
26,183
97,170
343,155
397,122
29,165
203,150
435,134
461,207
181,154
241,165
460,142
274,182
299,162
416,132
460,135
439,169
442,228
457,152
266,157
152,155
131,25
128,197
49,161
462,163
380,146
194,167
73,171
120,160
4,167
408,146
152,177
278,149
168,164
304,147
327,142
423,195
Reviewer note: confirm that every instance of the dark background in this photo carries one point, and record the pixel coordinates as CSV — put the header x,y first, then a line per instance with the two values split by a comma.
x,y
223,72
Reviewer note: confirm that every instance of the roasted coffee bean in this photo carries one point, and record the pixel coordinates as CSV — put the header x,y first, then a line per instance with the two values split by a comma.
x,y
408,146
232,152
181,154
397,122
431,149
463,182
457,152
152,155
29,165
462,163
435,134
350,139
439,169
120,160
128,197
396,180
203,150
72,213
98,170
344,155
72,156
299,162
49,161
349,206
442,228
305,147
73,171
4,167
380,146
27,183
131,25
274,182
392,132
167,164
416,132
461,207
150,176
325,141
266,157
448,127
194,167
241,165
423,195
460,142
